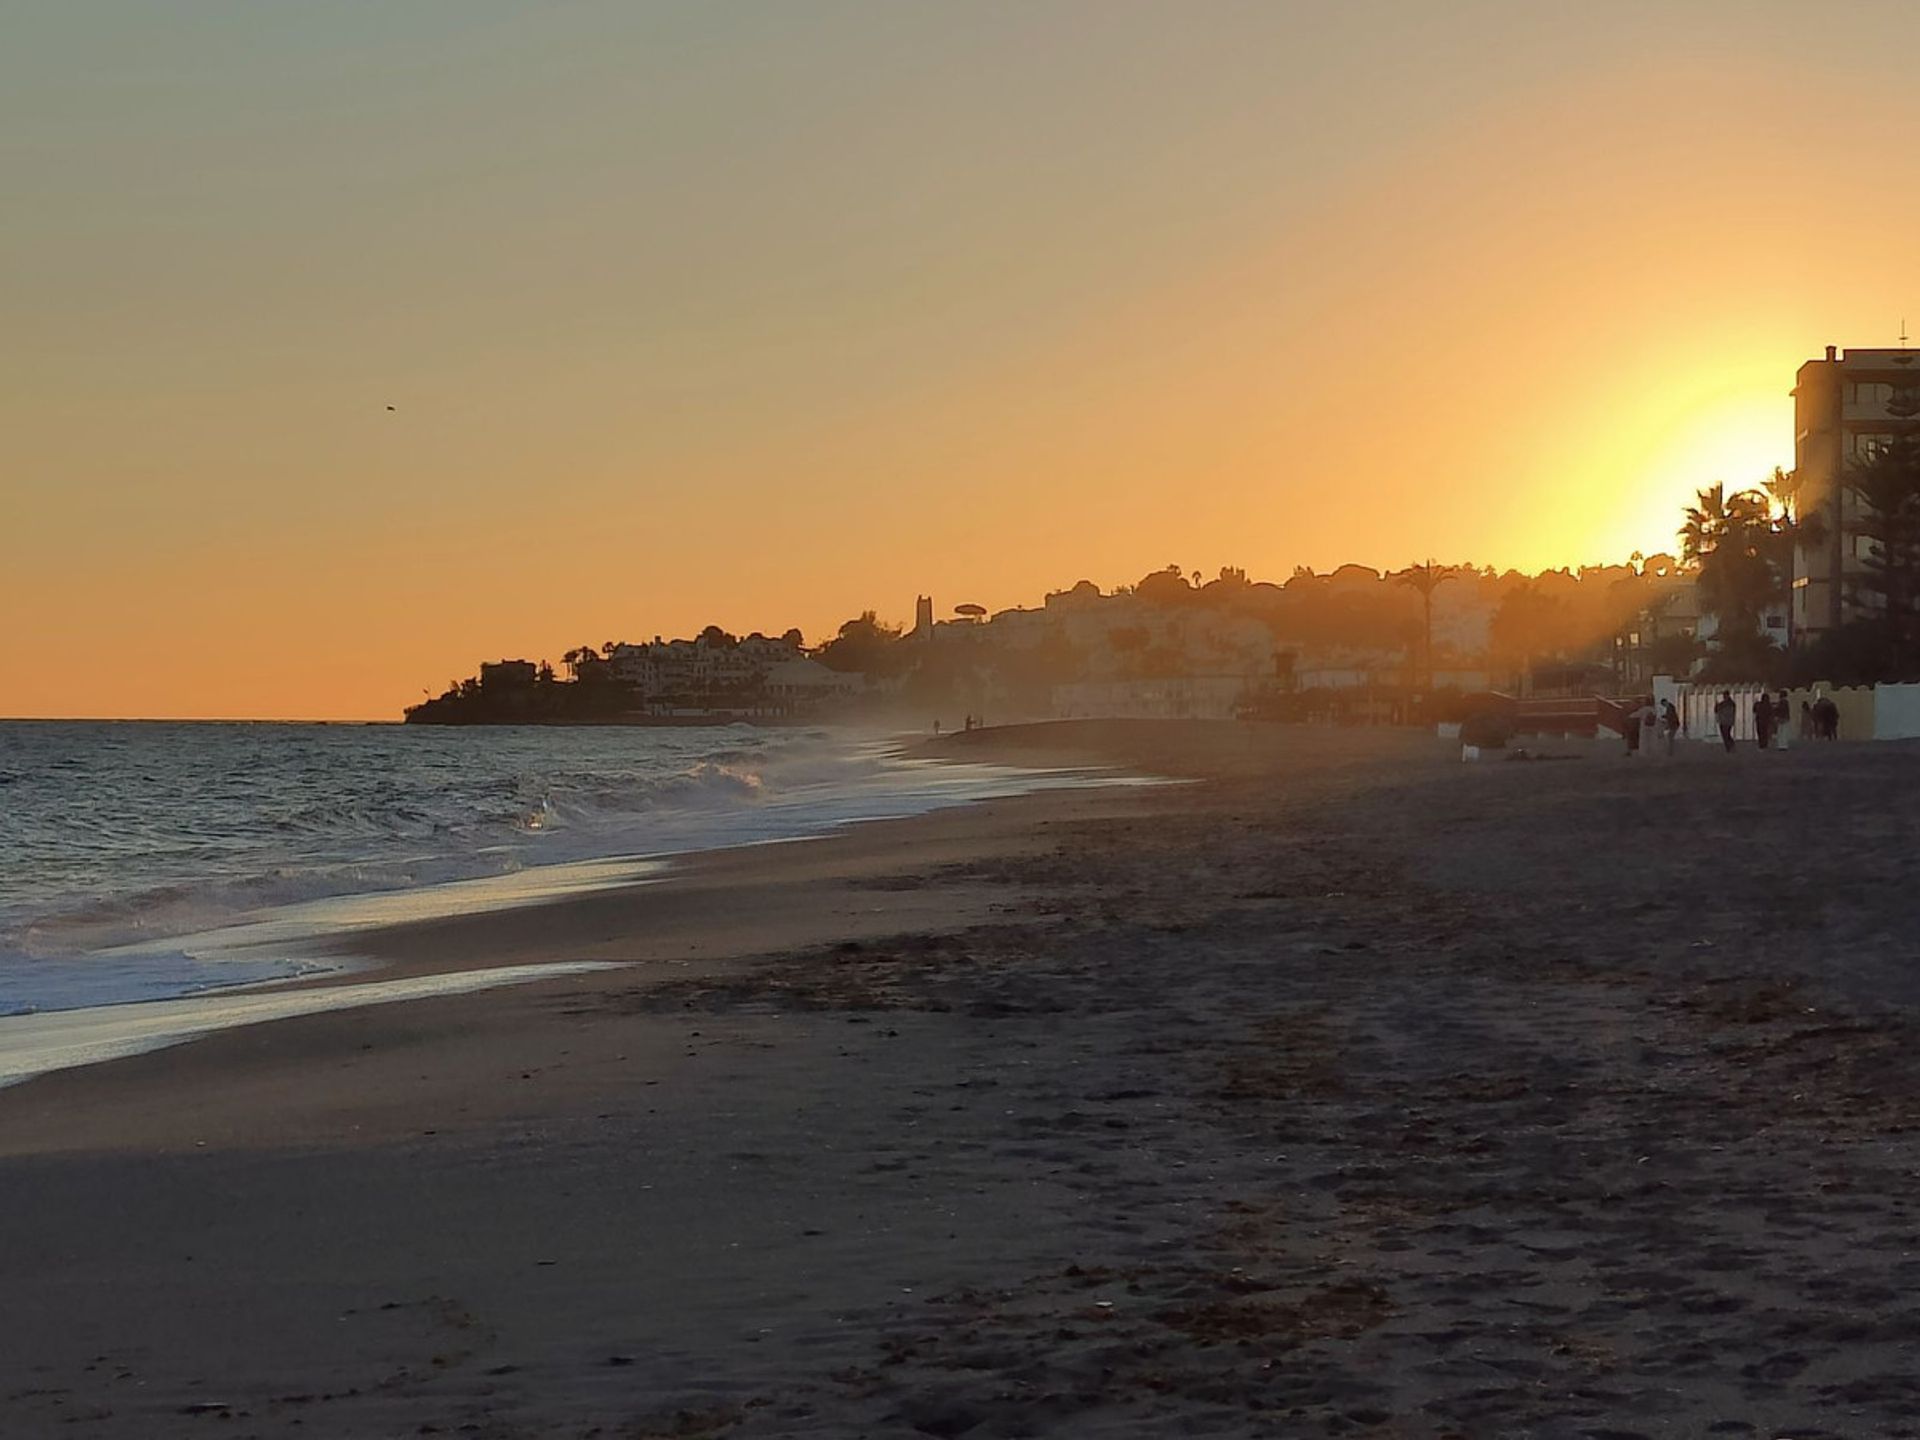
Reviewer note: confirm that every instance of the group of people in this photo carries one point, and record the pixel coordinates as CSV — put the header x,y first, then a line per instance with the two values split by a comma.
x,y
1820,720
1646,725
1772,717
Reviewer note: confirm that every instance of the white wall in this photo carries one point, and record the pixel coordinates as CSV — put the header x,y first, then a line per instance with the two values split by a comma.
x,y
1896,712
1695,704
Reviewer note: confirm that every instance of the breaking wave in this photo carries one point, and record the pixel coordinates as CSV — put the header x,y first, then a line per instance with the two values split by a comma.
x,y
122,843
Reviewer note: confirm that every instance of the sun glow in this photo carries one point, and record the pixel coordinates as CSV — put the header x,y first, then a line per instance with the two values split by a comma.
x,y
1735,439
941,307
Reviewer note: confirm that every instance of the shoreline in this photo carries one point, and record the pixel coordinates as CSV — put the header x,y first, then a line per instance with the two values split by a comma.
x,y
702,916
1348,1091
470,941
312,938
713,910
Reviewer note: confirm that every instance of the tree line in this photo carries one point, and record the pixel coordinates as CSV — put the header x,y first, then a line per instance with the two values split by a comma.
x,y
1743,544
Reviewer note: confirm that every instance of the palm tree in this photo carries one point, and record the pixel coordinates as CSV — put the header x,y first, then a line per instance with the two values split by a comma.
x,y
1426,579
1783,488
1716,516
1794,529
1733,540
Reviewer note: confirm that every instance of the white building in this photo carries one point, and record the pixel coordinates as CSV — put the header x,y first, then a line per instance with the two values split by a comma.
x,y
683,668
801,681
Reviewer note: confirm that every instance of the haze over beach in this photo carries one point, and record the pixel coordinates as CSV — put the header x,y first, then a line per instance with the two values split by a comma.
x,y
1087,719
532,322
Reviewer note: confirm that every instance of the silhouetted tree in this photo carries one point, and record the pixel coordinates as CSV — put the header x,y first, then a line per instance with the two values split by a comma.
x,y
1887,484
1529,626
1674,654
1732,539
1165,587
1744,656
1423,580
864,646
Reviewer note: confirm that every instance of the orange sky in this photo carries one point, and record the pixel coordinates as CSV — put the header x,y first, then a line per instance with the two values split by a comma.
x,y
766,316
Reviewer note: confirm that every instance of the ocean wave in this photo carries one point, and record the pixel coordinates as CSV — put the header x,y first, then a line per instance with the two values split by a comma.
x,y
128,839
183,860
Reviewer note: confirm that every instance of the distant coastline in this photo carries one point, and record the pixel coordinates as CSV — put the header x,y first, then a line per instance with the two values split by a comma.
x,y
507,717
1354,646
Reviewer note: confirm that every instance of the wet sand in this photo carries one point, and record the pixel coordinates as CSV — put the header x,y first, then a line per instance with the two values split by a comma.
x,y
1348,1090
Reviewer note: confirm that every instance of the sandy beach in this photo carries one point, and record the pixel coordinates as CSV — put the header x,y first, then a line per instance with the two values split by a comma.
x,y
1342,1090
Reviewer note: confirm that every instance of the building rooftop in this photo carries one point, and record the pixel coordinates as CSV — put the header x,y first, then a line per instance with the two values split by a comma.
x,y
1870,359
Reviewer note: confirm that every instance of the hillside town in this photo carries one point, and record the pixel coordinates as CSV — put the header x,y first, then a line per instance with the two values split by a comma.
x,y
1352,645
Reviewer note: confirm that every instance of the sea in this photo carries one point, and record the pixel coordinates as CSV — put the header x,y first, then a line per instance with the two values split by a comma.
x,y
145,861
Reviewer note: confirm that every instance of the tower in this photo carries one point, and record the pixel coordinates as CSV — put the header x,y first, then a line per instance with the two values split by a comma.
x,y
923,617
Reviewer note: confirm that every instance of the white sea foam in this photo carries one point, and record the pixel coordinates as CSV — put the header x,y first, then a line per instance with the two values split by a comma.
x,y
33,1045
146,861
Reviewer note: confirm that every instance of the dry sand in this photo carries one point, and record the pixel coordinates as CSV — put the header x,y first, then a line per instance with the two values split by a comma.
x,y
1348,1091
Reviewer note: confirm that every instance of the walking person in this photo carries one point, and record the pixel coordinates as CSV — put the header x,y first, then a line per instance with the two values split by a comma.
x,y
1669,722
1763,720
1649,721
1782,721
1726,715
1826,718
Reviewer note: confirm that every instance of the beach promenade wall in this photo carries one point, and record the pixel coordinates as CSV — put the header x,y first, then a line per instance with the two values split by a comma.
x,y
1896,712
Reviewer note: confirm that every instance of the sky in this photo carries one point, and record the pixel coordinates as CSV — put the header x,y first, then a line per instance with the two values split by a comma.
x,y
347,345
